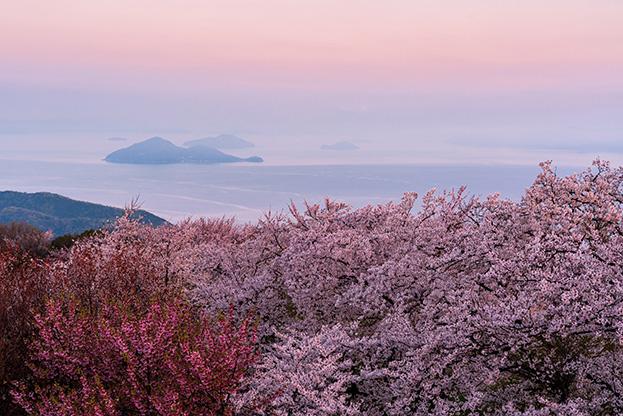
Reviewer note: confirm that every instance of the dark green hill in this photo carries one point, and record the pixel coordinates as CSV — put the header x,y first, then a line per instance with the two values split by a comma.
x,y
60,214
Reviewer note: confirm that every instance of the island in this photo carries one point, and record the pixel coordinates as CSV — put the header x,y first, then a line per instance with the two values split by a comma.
x,y
158,151
224,141
340,146
62,215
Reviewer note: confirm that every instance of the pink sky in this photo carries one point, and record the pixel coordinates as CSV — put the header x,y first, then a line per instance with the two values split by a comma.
x,y
457,70
328,43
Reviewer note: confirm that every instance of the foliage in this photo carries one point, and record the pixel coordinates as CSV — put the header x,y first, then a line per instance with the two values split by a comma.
x,y
65,241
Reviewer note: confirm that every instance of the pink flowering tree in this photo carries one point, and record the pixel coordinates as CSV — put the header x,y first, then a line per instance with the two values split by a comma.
x,y
464,306
23,287
116,335
168,361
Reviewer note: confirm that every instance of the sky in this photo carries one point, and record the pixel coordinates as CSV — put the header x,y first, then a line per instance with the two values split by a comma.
x,y
474,75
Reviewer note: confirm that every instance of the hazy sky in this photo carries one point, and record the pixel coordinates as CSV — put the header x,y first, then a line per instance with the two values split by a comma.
x,y
476,73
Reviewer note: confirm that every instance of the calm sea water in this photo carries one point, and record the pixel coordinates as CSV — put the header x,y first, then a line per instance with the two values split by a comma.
x,y
246,192
295,171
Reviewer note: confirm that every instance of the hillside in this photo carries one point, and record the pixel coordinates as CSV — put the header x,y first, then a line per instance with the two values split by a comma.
x,y
157,151
60,214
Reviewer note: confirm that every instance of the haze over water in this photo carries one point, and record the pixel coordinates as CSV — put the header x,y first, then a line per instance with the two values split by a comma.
x,y
246,191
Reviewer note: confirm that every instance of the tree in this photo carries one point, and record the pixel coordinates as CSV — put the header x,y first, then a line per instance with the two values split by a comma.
x,y
466,306
23,287
168,361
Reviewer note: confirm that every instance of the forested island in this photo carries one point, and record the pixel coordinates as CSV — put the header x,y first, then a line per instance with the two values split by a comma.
x,y
158,151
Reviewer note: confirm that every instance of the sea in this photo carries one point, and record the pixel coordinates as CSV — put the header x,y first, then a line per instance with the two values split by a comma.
x,y
76,169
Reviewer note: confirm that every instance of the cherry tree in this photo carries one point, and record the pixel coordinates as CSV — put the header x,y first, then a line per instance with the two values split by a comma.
x,y
446,305
464,306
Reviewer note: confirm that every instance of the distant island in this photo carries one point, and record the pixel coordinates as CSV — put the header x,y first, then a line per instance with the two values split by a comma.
x,y
117,139
62,215
157,151
340,146
224,141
